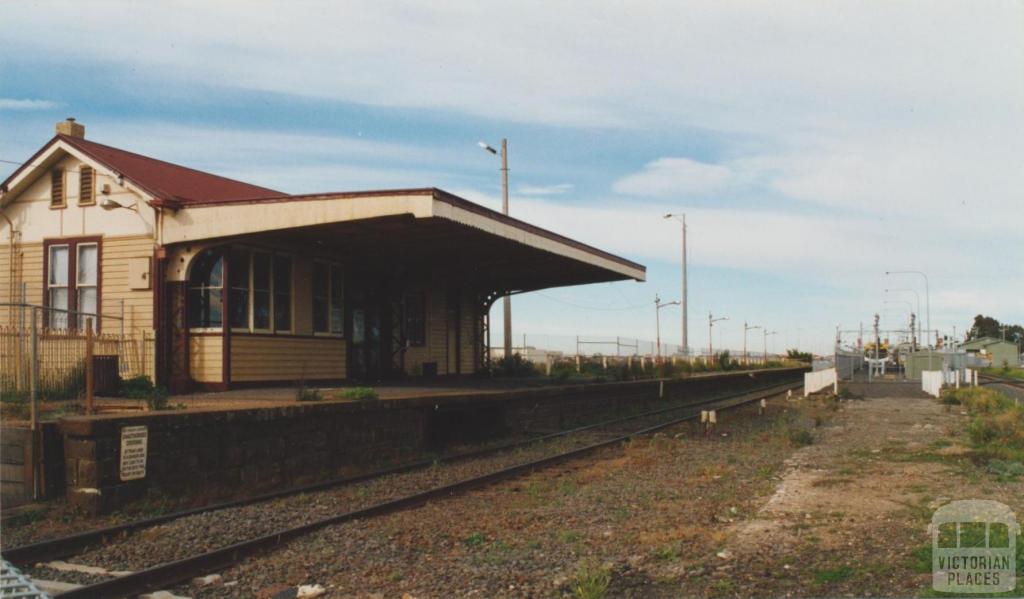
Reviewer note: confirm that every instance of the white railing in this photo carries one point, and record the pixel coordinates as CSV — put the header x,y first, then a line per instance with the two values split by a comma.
x,y
816,381
932,381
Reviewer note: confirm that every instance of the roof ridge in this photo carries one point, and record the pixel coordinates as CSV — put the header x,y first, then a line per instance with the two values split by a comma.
x,y
78,141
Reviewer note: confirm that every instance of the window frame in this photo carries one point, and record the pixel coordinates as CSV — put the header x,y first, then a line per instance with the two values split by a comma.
x,y
79,285
92,185
231,295
274,256
72,286
63,173
331,269
223,291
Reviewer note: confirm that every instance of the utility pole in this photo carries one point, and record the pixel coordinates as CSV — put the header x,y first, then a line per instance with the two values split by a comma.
x,y
711,349
657,319
684,317
766,333
745,329
507,300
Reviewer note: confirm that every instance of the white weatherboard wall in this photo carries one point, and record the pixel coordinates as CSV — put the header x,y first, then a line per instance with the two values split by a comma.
x,y
931,382
816,381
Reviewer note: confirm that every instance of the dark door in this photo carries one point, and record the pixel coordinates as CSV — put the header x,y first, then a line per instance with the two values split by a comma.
x,y
370,339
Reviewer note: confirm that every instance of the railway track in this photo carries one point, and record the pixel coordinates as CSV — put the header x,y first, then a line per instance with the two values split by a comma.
x,y
988,379
298,512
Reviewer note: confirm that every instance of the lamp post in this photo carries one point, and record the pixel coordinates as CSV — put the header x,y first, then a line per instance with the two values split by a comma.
x,y
745,329
507,300
686,345
916,295
711,323
766,333
657,319
927,304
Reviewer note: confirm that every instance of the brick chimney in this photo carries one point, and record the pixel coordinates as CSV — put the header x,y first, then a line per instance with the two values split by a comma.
x,y
70,128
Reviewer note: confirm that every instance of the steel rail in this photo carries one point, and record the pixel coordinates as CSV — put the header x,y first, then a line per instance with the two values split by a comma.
x,y
52,549
990,379
163,575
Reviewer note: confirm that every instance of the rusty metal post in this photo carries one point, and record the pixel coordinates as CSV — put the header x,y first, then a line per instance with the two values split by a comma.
x,y
88,365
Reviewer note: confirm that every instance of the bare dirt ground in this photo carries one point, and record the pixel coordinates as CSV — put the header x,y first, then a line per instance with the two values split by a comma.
x,y
746,514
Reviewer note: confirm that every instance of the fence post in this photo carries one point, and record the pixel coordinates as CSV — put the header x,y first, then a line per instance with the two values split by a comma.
x,y
33,408
34,369
88,365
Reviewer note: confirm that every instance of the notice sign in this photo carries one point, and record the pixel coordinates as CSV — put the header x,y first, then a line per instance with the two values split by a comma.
x,y
133,452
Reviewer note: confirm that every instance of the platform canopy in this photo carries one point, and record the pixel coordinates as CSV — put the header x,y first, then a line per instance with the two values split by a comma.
x,y
426,229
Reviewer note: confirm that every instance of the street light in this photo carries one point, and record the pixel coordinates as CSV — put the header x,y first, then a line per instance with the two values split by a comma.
x,y
927,295
918,296
927,304
507,300
711,323
657,319
686,345
745,329
766,333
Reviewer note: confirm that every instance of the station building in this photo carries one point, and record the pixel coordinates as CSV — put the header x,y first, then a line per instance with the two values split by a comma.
x,y
225,284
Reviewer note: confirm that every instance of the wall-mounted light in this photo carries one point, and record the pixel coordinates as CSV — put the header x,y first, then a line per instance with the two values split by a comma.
x,y
111,204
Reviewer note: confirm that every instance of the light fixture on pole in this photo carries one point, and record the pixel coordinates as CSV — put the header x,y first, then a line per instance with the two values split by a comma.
x,y
745,329
711,349
766,333
657,319
918,296
507,300
685,341
927,304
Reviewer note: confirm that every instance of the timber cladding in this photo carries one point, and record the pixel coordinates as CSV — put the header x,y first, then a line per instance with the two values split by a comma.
x,y
286,358
216,454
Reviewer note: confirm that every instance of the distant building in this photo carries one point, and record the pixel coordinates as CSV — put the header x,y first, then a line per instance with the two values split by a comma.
x,y
997,352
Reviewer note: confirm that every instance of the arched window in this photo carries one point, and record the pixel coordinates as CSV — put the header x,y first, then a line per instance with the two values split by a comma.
x,y
206,291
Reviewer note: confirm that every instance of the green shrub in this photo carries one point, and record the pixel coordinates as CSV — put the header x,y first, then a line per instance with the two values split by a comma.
x,y
159,398
359,394
304,393
139,387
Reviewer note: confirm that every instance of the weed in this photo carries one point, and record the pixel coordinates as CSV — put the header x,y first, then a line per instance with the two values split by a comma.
x,y
304,393
138,387
26,518
592,580
359,394
475,539
833,575
1005,470
158,399
568,536
668,553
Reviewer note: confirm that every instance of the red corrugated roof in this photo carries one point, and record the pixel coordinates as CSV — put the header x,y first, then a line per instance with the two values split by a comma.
x,y
169,181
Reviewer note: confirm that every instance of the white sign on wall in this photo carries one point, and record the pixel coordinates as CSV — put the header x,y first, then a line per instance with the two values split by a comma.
x,y
134,440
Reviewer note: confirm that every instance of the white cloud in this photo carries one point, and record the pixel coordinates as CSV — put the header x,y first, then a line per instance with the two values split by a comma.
x,y
666,177
544,190
27,104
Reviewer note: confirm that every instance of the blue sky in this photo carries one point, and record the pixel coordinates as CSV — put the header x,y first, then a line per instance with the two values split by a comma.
x,y
813,146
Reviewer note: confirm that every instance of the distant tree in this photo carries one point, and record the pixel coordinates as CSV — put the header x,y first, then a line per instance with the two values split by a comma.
x,y
986,326
802,356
